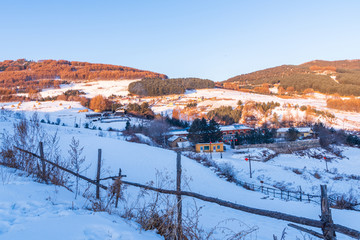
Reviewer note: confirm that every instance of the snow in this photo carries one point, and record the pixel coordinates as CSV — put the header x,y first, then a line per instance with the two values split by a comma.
x,y
173,138
142,163
299,129
91,89
279,171
33,211
234,127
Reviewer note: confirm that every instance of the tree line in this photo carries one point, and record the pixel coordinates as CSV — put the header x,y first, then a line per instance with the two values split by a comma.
x,y
159,87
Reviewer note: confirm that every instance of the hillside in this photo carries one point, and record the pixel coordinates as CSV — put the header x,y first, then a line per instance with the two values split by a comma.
x,y
25,76
37,204
342,77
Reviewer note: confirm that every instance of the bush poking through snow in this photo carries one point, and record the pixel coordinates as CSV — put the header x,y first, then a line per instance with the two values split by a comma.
x,y
345,201
297,171
227,170
317,175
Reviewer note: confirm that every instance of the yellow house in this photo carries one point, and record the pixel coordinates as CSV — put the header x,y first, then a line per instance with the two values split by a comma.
x,y
209,147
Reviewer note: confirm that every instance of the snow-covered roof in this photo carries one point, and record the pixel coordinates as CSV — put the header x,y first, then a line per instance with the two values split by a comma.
x,y
178,132
234,127
299,129
173,138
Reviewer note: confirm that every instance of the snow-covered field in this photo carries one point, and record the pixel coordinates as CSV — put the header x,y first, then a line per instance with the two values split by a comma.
x,y
304,170
142,163
93,88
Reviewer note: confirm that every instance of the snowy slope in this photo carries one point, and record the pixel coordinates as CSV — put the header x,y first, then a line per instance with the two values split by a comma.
x,y
142,162
33,211
292,171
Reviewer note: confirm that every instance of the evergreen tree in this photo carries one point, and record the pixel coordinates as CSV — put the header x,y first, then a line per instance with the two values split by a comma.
x,y
195,134
214,132
127,126
292,134
201,132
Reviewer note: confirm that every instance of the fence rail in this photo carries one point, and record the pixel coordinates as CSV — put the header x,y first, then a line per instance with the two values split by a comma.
x,y
268,213
282,194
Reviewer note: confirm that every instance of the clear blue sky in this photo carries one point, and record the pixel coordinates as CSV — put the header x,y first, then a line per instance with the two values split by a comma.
x,y
207,39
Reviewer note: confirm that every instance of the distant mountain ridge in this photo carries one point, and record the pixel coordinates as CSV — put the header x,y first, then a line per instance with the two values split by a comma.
x,y
23,75
342,77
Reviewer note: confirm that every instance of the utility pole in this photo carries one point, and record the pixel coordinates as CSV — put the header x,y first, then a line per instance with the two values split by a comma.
x,y
178,196
326,164
248,159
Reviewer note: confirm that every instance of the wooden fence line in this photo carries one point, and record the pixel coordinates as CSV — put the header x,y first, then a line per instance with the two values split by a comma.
x,y
282,194
268,213
64,169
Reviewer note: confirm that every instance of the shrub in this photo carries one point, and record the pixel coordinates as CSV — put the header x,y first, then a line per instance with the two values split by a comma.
x,y
297,171
345,202
99,104
317,175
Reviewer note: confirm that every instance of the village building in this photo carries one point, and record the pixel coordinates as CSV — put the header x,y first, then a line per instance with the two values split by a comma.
x,y
178,142
304,132
209,147
230,131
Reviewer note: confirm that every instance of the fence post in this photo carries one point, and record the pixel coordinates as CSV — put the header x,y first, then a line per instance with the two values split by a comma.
x,y
326,218
281,193
300,194
118,183
178,196
43,166
98,175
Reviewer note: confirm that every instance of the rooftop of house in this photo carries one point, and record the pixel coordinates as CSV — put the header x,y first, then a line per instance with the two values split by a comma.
x,y
174,138
222,128
234,127
299,129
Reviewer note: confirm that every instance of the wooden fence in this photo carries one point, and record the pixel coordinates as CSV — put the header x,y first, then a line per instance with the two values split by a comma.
x,y
326,223
282,194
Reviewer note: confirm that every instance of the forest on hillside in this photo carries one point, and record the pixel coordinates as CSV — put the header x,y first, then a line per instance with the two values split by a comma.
x,y
159,87
23,75
342,77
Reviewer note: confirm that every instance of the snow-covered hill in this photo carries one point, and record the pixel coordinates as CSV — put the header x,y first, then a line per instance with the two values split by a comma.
x,y
142,163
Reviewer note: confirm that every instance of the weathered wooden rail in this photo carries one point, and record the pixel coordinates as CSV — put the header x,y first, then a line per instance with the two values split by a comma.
x,y
262,212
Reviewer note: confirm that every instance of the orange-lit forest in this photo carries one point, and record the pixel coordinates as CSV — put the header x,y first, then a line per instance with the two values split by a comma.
x,y
352,104
23,76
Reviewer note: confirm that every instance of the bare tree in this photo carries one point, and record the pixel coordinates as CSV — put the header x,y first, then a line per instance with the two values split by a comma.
x,y
157,130
76,160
